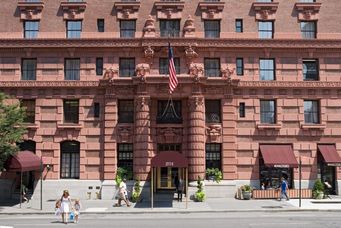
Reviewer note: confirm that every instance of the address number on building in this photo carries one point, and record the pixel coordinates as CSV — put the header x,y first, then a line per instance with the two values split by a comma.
x,y
169,164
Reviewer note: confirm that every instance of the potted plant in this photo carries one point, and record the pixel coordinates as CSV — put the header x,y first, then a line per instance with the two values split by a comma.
x,y
246,191
135,197
214,174
318,190
199,196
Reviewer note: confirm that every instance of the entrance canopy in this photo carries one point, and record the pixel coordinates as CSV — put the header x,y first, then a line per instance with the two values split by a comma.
x,y
24,161
169,159
330,155
280,156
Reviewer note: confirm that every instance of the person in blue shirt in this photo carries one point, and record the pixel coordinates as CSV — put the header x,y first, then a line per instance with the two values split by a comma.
x,y
284,188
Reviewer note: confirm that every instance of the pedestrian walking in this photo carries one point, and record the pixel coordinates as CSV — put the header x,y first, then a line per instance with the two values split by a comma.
x,y
284,188
77,208
123,194
65,206
180,189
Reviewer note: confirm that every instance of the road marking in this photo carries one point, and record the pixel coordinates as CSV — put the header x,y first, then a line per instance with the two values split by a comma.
x,y
96,209
6,226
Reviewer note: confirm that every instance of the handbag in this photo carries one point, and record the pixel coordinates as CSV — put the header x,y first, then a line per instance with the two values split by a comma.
x,y
72,216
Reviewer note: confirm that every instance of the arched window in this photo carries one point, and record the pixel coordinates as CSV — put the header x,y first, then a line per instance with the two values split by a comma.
x,y
69,165
27,145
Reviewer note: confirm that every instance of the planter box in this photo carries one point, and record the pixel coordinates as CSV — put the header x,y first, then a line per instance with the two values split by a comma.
x,y
275,194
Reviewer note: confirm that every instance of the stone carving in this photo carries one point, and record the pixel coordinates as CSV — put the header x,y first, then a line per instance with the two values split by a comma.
x,y
196,70
169,9
149,27
227,72
110,74
125,133
149,54
211,10
265,10
142,70
189,28
190,54
169,135
30,11
308,11
127,10
196,102
73,10
142,103
213,132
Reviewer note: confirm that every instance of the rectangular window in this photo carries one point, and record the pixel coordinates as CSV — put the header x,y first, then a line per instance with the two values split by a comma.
x,y
213,155
268,111
212,28
71,111
127,67
100,25
239,25
97,109
167,113
127,28
212,67
169,147
240,66
31,29
28,69
163,65
307,0
72,69
126,111
265,29
267,69
212,111
308,29
170,28
125,156
310,70
311,112
73,29
241,109
30,110
99,66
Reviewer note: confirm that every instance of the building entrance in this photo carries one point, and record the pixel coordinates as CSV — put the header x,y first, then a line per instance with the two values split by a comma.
x,y
166,175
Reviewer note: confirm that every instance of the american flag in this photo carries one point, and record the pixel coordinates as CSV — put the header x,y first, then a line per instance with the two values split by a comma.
x,y
173,81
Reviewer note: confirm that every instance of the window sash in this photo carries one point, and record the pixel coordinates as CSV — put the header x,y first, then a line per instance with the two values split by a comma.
x,y
242,109
99,66
310,71
267,69
239,25
126,111
74,29
168,116
127,67
29,69
212,67
125,156
311,112
268,111
70,161
30,110
71,111
97,109
127,28
308,29
240,66
212,111
31,29
213,155
72,69
163,65
265,29
100,25
212,28
169,28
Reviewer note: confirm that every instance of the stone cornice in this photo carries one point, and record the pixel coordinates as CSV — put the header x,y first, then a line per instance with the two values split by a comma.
x,y
35,84
177,42
288,84
30,10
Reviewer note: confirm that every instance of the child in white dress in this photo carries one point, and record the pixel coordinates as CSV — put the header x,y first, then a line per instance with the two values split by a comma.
x,y
77,208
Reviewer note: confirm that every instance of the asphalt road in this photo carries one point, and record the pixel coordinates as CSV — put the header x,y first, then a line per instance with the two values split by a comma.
x,y
194,220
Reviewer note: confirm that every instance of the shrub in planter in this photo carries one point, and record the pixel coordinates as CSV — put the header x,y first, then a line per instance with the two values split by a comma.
x,y
246,191
199,196
135,196
318,189
214,174
122,173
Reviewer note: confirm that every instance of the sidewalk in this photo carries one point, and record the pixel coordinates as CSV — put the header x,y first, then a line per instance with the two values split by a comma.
x,y
210,205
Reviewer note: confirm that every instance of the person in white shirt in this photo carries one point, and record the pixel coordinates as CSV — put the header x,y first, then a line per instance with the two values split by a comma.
x,y
123,193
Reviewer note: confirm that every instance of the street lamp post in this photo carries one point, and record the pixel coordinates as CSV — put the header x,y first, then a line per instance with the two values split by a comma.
x,y
300,184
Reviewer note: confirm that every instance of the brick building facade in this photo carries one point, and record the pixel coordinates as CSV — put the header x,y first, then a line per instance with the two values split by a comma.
x,y
94,78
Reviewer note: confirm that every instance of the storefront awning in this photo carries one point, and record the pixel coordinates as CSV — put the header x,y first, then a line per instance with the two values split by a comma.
x,y
330,155
23,161
280,156
169,159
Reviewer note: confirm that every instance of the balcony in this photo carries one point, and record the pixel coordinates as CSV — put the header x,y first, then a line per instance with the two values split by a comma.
x,y
30,10
265,10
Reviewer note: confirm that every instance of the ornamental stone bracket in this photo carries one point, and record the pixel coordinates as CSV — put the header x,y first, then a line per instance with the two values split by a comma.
x,y
169,9
149,27
125,134
142,70
73,10
190,54
169,135
30,10
211,10
265,10
127,10
189,28
307,11
227,73
149,54
196,71
110,74
196,103
213,132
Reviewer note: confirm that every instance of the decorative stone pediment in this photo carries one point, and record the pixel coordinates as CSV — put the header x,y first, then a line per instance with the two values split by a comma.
x,y
265,10
213,132
142,70
127,10
307,11
189,28
169,135
125,133
73,10
211,10
30,10
110,74
149,27
196,71
169,10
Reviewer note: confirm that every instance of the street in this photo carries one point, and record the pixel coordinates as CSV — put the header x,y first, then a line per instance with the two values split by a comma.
x,y
193,220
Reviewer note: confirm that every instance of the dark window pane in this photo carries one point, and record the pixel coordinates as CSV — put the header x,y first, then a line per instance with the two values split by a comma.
x,y
126,111
242,109
127,67
100,25
70,151
31,29
97,110
213,155
212,28
170,28
169,112
125,156
72,69
99,66
28,69
127,28
240,66
169,147
268,111
310,70
163,65
212,67
212,111
239,25
30,110
311,112
71,111
27,145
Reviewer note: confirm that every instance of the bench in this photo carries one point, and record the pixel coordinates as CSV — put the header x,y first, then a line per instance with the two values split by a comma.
x,y
275,194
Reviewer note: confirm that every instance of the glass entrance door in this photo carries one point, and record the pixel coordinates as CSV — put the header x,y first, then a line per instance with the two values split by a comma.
x,y
166,176
328,176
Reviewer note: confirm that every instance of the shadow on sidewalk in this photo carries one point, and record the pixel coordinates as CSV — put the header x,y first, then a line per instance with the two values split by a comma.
x,y
161,200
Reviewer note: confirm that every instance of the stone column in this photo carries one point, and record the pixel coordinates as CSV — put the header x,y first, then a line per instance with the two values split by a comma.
x,y
196,137
142,154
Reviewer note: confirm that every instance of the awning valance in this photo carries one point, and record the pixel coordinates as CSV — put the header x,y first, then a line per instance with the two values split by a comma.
x,y
169,159
280,156
330,155
23,161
